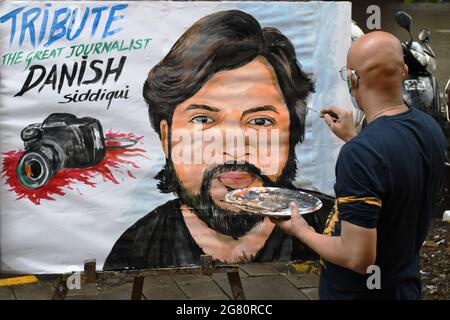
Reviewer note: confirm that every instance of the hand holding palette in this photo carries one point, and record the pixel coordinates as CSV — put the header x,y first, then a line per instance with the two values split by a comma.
x,y
272,201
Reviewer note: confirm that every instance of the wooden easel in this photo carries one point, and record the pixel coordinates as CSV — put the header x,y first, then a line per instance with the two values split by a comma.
x,y
207,267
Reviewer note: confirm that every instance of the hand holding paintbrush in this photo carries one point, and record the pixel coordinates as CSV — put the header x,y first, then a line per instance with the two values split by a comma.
x,y
322,112
339,120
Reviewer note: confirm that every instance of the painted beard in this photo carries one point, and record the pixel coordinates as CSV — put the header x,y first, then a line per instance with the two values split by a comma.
x,y
232,223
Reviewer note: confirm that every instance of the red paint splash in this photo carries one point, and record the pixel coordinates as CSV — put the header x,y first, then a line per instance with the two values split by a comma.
x,y
117,163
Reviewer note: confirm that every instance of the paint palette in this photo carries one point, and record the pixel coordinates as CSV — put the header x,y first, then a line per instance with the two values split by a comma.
x,y
272,201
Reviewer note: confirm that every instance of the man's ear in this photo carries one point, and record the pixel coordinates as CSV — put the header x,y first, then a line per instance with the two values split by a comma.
x,y
164,129
353,80
405,71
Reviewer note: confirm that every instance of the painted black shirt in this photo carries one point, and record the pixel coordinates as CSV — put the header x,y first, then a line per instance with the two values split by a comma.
x,y
388,178
162,239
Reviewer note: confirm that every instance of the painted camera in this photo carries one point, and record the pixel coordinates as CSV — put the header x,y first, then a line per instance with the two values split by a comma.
x,y
61,141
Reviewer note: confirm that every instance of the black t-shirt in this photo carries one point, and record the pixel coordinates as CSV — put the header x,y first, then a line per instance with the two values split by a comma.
x,y
388,177
162,239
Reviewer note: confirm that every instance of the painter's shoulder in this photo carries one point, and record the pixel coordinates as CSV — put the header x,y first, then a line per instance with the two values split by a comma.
x,y
362,143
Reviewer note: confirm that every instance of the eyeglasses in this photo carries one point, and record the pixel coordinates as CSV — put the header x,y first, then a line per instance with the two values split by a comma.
x,y
344,72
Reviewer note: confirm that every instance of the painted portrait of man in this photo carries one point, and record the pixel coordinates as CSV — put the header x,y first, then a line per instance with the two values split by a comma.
x,y
224,74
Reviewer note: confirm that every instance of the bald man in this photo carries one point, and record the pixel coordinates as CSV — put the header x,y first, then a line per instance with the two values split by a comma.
x,y
387,180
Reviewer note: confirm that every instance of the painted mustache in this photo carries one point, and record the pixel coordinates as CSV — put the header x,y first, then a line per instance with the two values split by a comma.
x,y
234,176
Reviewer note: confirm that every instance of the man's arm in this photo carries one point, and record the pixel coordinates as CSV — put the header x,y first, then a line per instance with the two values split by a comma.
x,y
355,249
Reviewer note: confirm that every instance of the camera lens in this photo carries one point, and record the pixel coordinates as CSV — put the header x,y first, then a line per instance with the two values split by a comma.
x,y
34,170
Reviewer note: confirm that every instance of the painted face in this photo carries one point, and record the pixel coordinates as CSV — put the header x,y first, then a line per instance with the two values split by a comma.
x,y
238,116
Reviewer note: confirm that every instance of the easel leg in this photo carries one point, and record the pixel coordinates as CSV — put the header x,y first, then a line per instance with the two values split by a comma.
x,y
90,271
138,286
236,285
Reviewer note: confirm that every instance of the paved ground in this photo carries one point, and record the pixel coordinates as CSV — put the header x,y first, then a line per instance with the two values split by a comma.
x,y
267,281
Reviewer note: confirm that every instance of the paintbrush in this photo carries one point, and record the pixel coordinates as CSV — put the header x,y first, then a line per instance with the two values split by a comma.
x,y
312,109
331,113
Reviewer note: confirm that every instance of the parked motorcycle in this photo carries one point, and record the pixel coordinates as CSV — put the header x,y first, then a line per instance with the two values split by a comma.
x,y
420,89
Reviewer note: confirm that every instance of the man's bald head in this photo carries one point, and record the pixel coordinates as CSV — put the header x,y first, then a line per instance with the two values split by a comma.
x,y
377,58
